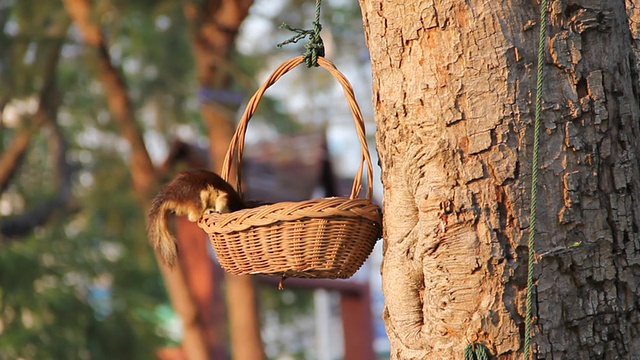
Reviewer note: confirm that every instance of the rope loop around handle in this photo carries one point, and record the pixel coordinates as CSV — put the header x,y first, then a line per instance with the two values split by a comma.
x,y
236,146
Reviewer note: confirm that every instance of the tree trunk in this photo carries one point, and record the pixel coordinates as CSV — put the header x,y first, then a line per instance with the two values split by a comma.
x,y
453,93
215,26
143,173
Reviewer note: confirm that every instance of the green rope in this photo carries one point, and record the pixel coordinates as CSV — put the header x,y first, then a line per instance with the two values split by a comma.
x,y
315,46
475,352
534,179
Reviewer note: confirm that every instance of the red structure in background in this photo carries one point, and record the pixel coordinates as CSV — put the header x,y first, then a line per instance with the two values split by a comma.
x,y
203,279
297,161
203,276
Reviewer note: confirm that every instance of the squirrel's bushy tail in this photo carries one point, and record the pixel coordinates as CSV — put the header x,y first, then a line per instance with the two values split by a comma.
x,y
161,239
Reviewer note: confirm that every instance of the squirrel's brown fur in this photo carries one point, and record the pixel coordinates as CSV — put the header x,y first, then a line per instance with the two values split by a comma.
x,y
191,193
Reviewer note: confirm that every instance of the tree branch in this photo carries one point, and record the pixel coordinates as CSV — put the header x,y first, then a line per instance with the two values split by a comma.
x,y
23,224
11,158
142,170
213,35
141,166
12,227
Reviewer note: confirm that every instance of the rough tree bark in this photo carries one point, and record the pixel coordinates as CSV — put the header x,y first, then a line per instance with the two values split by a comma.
x,y
453,85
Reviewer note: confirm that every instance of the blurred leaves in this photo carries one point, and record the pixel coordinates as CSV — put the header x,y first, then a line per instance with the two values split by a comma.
x,y
51,280
85,284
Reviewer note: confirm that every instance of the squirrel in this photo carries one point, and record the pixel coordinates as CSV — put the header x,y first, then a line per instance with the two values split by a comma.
x,y
193,193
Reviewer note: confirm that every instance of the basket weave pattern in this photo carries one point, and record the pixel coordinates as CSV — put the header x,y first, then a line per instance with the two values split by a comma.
x,y
328,238
320,238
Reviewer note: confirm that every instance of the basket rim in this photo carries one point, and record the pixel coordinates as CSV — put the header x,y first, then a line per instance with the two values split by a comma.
x,y
291,211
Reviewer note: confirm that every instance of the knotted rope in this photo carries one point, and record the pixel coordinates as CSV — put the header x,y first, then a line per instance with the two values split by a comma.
x,y
315,46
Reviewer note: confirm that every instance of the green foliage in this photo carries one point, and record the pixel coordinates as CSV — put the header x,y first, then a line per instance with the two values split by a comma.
x,y
27,44
86,287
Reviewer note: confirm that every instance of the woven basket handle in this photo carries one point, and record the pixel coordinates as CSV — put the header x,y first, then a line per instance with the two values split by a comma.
x,y
236,147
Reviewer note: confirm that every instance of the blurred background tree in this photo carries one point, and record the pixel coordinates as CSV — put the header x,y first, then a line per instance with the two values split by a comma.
x,y
77,277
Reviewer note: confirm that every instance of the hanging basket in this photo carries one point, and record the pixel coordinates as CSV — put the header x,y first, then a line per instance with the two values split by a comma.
x,y
320,238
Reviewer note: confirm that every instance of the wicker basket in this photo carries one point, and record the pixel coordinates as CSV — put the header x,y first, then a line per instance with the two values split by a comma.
x,y
320,238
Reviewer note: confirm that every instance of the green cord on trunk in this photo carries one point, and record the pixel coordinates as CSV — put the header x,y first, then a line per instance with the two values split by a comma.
x,y
534,180
478,352
475,352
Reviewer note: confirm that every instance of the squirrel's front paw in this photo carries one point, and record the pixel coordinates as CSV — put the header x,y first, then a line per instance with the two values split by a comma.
x,y
210,211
